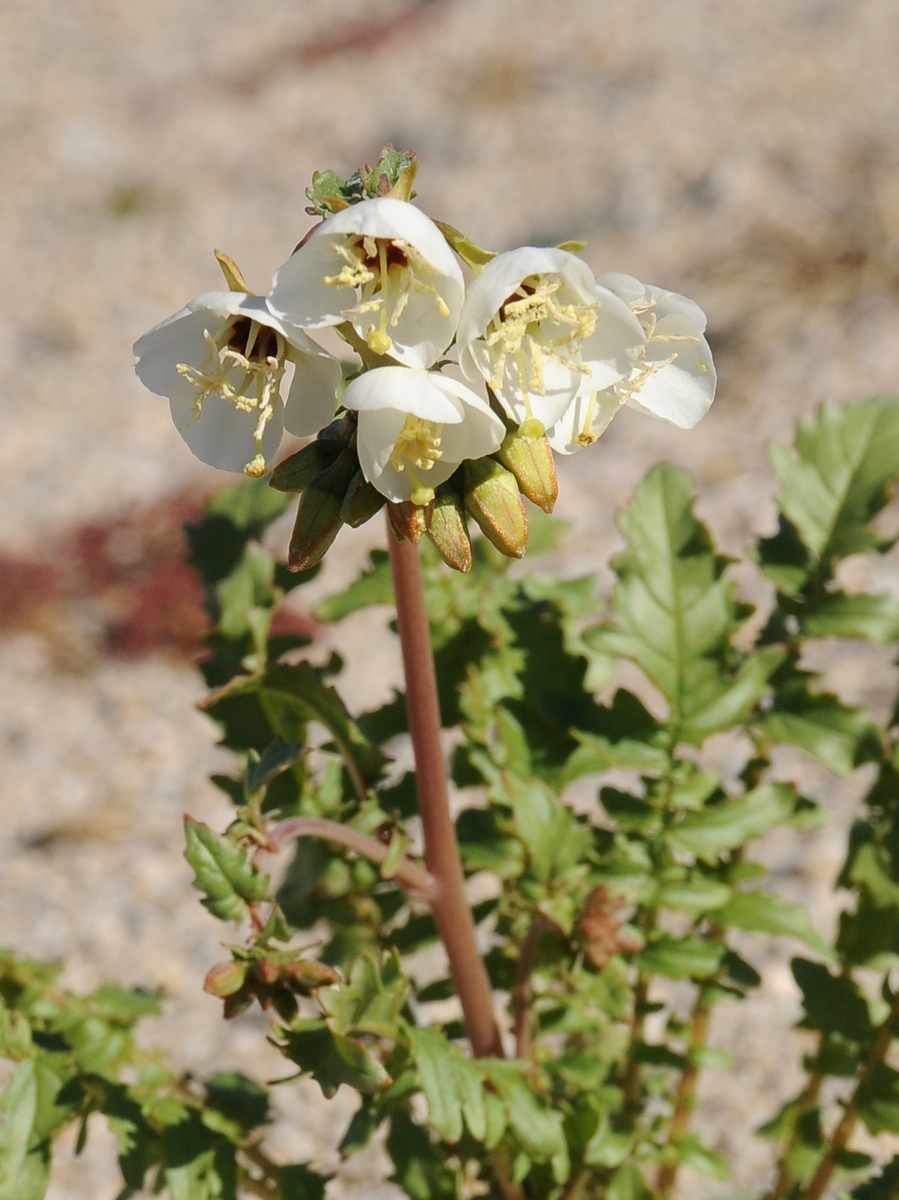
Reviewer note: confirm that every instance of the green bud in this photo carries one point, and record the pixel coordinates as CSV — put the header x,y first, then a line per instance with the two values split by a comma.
x,y
294,473
361,502
531,462
410,521
449,530
225,979
306,975
318,513
492,498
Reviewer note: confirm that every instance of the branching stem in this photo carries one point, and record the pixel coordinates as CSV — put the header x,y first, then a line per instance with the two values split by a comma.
x,y
408,875
521,995
843,1132
685,1097
449,903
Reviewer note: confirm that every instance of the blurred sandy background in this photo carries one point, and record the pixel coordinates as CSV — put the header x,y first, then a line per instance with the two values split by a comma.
x,y
745,154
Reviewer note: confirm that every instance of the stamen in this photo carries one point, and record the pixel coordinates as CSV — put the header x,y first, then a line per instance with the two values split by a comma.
x,y
259,373
417,447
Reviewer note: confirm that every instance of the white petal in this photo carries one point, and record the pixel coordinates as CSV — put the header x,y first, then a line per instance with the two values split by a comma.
x,y
312,399
503,274
682,391
563,436
404,390
223,435
614,344
178,339
626,287
666,304
301,297
377,433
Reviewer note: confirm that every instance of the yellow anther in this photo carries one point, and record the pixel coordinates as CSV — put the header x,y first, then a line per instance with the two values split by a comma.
x,y
256,468
418,445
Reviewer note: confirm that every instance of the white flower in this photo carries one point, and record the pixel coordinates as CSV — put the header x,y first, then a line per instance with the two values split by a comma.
x,y
415,427
673,379
383,266
536,326
220,361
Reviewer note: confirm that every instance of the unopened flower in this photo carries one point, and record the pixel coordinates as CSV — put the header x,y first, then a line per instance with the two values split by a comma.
x,y
221,362
416,427
537,327
386,268
673,378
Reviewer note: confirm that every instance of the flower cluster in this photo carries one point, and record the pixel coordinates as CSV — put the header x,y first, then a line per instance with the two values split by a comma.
x,y
557,352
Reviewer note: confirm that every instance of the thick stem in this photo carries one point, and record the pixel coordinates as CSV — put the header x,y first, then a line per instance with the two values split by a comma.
x,y
409,876
843,1132
449,904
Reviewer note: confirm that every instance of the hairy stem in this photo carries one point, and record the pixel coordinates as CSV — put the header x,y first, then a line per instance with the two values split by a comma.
x,y
685,1097
409,876
843,1132
449,904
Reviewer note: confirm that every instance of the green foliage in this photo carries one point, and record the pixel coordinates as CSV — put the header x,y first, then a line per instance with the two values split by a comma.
x,y
592,906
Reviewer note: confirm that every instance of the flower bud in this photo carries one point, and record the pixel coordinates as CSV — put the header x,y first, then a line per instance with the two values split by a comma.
x,y
318,513
306,975
295,472
361,502
224,979
448,530
530,459
410,521
493,499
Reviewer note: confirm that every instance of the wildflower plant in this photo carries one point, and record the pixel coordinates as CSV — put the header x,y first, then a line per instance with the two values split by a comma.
x,y
516,1057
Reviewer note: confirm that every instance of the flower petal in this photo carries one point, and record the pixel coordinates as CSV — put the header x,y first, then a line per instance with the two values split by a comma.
x,y
611,349
223,434
404,390
312,399
681,391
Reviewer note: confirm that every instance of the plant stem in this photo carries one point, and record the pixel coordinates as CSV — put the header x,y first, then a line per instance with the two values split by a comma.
x,y
806,1099
632,1075
409,876
685,1097
521,995
449,904
846,1124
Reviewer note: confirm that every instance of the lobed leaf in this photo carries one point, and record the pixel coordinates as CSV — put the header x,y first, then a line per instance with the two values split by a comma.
x,y
223,872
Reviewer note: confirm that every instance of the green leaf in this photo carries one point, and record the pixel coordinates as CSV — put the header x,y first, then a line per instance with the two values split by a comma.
x,y
878,1100
674,613
24,1165
836,614
700,1158
223,872
485,846
291,696
436,1062
840,737
764,913
332,1059
537,1127
628,1184
240,1099
883,1186
832,1004
275,758
298,1182
837,479
681,958
694,895
373,586
732,823
418,1168
370,1001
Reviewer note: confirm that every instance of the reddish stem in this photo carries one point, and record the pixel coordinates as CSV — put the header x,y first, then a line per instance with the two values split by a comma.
x,y
409,876
449,904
